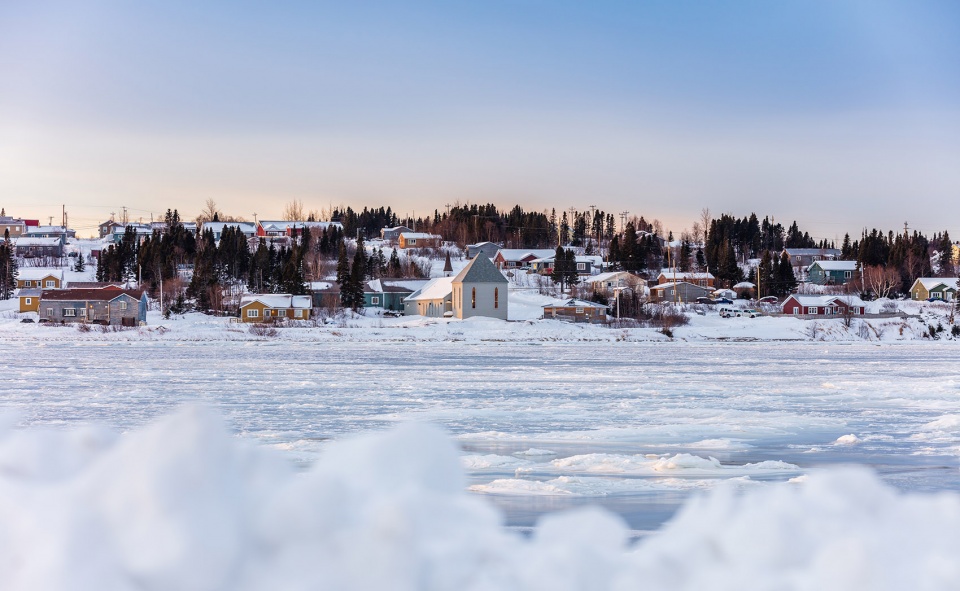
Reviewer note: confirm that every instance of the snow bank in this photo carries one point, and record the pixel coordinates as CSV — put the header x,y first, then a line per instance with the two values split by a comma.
x,y
181,504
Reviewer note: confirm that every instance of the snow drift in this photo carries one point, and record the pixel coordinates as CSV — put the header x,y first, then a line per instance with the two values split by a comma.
x,y
184,505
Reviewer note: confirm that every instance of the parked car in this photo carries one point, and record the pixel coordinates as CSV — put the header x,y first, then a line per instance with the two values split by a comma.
x,y
768,300
703,300
749,313
26,320
727,312
723,301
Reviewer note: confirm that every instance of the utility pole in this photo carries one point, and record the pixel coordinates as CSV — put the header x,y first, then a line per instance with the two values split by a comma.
x,y
906,231
623,220
447,205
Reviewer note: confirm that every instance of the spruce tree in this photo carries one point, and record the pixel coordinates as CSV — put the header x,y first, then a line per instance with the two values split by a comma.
x,y
787,281
395,269
343,266
79,265
557,274
8,268
765,276
572,276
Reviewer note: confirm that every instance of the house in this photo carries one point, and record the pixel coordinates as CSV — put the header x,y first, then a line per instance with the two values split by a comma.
x,y
15,226
517,258
832,272
274,306
488,249
29,299
671,275
141,231
480,289
434,299
940,288
681,291
393,234
822,305
585,264
59,232
377,293
609,283
40,278
108,227
248,229
744,289
162,227
126,307
575,310
804,257
418,240
38,247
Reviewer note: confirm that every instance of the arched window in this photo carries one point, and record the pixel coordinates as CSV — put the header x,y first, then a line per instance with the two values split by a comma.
x,y
496,297
473,297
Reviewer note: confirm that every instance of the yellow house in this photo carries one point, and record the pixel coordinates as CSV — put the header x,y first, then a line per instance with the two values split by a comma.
x,y
938,288
272,307
34,277
29,300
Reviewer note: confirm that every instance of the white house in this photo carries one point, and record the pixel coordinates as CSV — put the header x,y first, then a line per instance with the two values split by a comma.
x,y
480,289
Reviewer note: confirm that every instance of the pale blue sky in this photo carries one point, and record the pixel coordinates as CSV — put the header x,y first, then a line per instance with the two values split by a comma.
x,y
837,114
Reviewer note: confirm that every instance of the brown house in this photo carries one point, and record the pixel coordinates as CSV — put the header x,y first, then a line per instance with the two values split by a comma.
x,y
126,307
274,306
39,278
418,240
670,275
575,310
29,300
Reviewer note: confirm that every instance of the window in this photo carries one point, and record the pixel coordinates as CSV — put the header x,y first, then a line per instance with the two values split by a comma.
x,y
123,306
847,274
83,312
581,266
49,312
298,313
412,241
796,309
496,297
579,310
811,310
27,283
266,313
51,283
67,312
253,313
473,297
28,301
374,300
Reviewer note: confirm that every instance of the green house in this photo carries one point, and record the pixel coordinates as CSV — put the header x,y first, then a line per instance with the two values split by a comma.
x,y
378,294
832,272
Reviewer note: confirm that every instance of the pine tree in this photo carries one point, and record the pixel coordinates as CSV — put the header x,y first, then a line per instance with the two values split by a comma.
x,y
8,268
787,282
79,266
394,267
570,268
352,296
557,274
765,276
343,266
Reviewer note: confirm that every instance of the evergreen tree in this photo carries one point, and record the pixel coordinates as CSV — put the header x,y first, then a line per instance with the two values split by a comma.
x,y
343,266
570,268
765,276
787,282
395,269
8,268
79,266
352,295
683,261
557,274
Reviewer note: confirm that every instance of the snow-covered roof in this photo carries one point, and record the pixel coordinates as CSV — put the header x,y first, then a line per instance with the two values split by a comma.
x,y
744,285
670,273
278,300
929,283
37,241
812,251
45,229
671,284
611,276
37,273
824,300
518,254
419,236
217,227
30,293
435,289
835,265
574,303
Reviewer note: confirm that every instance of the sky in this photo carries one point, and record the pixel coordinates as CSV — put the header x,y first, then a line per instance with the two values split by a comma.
x,y
842,115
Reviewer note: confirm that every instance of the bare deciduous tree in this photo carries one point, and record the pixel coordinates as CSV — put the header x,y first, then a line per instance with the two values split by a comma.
x,y
880,281
293,211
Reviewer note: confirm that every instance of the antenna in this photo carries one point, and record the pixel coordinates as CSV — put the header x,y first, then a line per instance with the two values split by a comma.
x,y
623,220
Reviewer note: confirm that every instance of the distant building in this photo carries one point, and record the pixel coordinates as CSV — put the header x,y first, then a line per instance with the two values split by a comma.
x,y
804,257
58,232
681,292
670,275
488,249
274,306
15,226
38,247
815,305
418,240
246,228
36,277
126,307
575,310
434,299
938,288
393,234
518,258
609,283
832,272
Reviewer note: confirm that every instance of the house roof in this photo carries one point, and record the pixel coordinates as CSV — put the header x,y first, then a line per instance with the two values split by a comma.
x,y
96,295
37,242
812,251
435,289
669,273
663,286
835,265
30,293
95,285
930,283
278,300
824,300
46,230
419,236
36,273
611,275
217,227
744,285
378,286
574,303
519,254
480,269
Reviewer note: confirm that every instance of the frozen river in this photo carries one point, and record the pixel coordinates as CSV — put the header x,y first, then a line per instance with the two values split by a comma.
x,y
636,427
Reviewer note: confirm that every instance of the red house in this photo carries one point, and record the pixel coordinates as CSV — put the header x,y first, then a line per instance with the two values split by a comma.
x,y
804,305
